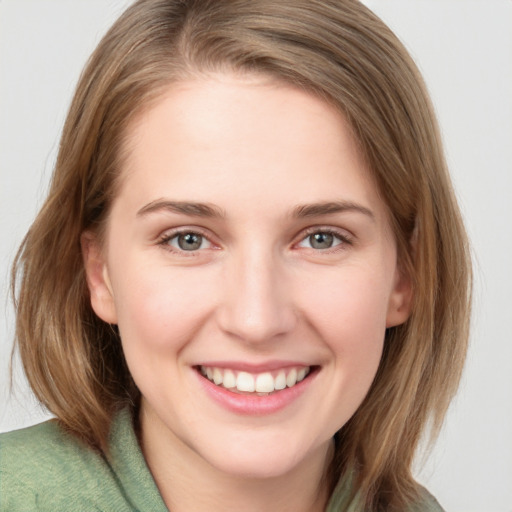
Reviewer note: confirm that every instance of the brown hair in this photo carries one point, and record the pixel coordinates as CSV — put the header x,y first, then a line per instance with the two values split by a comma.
x,y
336,49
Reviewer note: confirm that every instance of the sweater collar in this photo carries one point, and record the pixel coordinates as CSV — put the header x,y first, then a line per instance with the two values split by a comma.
x,y
129,466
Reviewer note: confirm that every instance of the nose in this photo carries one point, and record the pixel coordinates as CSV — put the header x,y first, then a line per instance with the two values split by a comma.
x,y
256,302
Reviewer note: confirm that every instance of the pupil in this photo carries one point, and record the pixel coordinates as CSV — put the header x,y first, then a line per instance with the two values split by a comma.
x,y
190,241
321,240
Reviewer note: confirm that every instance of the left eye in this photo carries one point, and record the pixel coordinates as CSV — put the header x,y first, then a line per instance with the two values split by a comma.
x,y
321,240
189,241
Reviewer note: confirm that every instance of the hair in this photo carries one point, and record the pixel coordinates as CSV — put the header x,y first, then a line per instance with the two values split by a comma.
x,y
341,52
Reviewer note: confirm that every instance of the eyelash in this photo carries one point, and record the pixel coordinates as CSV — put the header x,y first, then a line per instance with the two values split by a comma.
x,y
343,237
164,240
344,240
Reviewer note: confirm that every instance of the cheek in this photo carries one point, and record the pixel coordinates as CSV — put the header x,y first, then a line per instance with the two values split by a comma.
x,y
160,308
354,301
349,313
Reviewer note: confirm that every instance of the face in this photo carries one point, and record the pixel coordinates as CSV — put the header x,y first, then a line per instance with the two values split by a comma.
x,y
250,266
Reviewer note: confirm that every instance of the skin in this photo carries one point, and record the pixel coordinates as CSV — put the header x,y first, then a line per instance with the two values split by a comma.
x,y
256,290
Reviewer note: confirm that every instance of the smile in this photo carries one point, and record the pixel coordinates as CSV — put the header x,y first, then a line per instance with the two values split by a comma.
x,y
260,384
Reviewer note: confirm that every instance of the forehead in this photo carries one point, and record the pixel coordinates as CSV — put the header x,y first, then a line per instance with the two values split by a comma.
x,y
227,133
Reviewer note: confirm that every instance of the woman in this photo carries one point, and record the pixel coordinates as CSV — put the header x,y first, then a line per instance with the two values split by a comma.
x,y
249,285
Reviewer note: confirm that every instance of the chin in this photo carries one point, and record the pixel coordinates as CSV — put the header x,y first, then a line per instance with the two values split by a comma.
x,y
257,458
257,468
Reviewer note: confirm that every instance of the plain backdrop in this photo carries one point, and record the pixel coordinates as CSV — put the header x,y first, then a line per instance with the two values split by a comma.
x,y
464,49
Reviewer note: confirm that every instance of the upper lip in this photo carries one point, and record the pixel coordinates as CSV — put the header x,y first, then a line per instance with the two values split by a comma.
x,y
244,366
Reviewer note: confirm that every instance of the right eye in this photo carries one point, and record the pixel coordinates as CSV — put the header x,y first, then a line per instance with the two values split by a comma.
x,y
324,240
188,241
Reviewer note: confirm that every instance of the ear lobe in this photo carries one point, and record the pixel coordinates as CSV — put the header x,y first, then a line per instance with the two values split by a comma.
x,y
98,281
400,300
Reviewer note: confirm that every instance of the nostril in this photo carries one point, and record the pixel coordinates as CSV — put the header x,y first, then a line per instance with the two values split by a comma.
x,y
257,323
256,302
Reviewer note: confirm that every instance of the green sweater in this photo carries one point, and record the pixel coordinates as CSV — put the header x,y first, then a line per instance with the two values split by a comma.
x,y
43,468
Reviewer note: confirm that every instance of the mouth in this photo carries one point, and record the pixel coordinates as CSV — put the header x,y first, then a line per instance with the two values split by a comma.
x,y
256,384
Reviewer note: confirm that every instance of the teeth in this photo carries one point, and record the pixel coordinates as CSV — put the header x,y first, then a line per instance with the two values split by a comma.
x,y
229,379
291,378
245,382
262,383
217,376
280,382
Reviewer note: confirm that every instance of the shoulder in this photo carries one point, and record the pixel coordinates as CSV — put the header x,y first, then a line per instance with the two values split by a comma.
x,y
45,468
344,500
42,445
426,503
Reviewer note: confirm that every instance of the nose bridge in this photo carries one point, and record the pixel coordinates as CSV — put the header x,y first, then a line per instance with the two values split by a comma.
x,y
256,305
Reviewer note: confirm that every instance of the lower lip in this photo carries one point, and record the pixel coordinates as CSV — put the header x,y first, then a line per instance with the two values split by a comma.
x,y
255,405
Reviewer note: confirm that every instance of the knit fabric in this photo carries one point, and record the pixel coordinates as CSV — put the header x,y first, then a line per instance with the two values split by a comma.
x,y
43,468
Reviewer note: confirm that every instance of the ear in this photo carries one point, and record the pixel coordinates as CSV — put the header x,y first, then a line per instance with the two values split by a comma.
x,y
98,281
400,300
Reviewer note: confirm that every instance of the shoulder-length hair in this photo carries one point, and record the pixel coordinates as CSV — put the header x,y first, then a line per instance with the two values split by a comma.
x,y
338,50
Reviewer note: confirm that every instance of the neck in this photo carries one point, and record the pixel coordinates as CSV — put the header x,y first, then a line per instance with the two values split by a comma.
x,y
188,483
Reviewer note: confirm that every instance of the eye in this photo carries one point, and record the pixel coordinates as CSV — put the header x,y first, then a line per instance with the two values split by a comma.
x,y
189,241
322,240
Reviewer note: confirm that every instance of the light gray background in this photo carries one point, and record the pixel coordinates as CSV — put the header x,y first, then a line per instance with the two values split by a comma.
x,y
463,47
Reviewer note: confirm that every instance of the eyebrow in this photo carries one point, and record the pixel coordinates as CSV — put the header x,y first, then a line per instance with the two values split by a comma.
x,y
328,208
182,207
207,210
